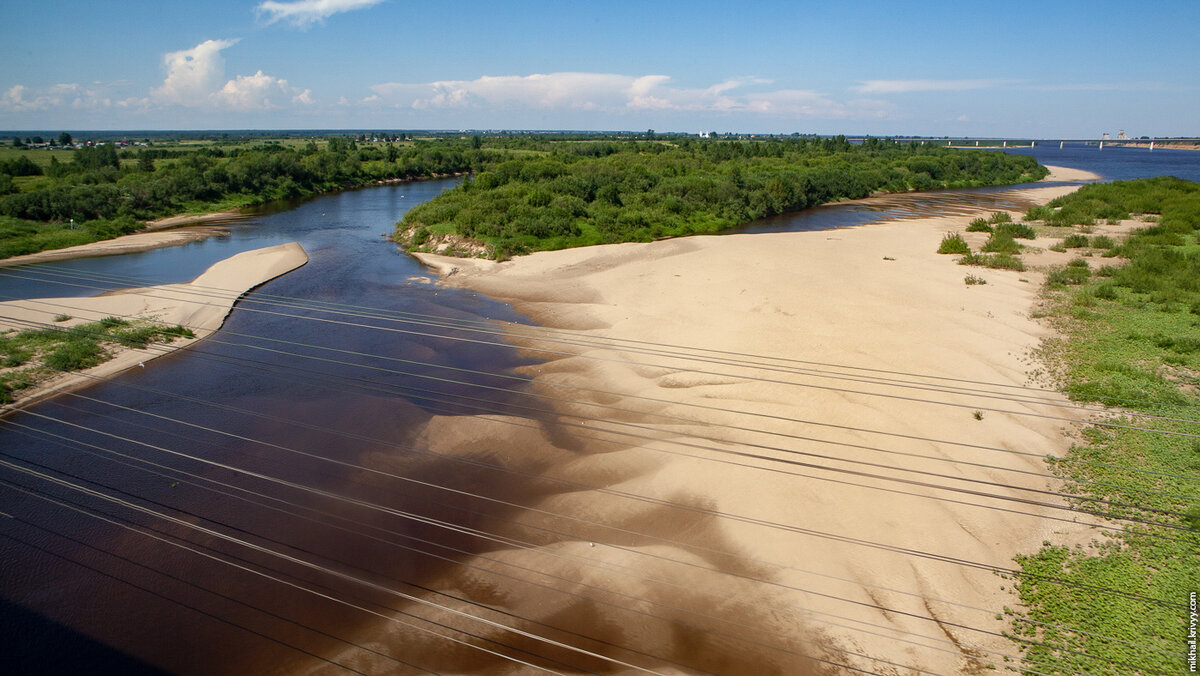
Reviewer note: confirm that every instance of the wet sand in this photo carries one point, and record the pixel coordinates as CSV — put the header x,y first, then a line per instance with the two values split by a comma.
x,y
200,305
793,555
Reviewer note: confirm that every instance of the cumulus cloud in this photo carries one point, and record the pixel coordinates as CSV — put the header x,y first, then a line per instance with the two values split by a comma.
x,y
193,74
908,86
613,93
19,98
196,78
305,13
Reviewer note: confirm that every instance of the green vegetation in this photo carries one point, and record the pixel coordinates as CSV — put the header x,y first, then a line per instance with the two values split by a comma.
x,y
1017,230
578,194
980,225
29,357
953,243
1131,340
102,192
998,261
972,280
1001,242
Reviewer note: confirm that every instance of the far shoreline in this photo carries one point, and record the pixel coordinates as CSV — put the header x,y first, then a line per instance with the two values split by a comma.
x,y
201,305
187,228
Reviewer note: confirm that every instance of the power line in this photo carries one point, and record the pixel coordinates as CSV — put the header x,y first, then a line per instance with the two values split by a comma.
x,y
798,463
574,484
836,649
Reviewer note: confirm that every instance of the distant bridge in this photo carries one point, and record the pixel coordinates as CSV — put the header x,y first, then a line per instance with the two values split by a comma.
x,y
997,142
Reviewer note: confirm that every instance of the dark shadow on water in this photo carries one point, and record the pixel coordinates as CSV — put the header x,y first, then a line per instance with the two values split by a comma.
x,y
34,644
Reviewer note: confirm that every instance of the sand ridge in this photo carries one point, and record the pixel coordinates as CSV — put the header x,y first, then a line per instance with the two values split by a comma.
x,y
873,297
200,305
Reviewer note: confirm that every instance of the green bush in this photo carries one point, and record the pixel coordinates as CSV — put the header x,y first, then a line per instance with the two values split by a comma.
x,y
953,243
1076,242
1017,230
979,225
75,354
1000,217
1074,273
1001,242
999,261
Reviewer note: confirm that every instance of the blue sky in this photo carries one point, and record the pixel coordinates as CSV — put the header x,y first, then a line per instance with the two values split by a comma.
x,y
1044,69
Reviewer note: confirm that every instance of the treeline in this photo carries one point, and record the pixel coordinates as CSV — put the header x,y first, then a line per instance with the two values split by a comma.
x,y
98,196
592,192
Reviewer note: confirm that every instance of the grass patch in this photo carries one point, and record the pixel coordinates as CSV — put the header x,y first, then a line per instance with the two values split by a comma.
x,y
1076,241
998,261
32,356
1129,339
972,280
1017,230
1001,242
1072,274
980,225
953,243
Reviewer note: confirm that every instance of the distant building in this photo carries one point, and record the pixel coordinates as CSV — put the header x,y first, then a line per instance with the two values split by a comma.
x,y
1105,136
1121,136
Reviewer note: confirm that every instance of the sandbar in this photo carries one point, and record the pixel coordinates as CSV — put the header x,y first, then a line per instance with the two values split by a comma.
x,y
200,305
850,316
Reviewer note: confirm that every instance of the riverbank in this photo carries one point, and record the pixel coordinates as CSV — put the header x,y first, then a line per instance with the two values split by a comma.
x,y
200,305
876,298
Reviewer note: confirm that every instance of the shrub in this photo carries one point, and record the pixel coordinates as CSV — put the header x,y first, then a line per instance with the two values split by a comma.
x,y
979,225
1103,242
1001,242
1076,242
999,261
1000,217
1019,230
1074,273
972,280
62,318
953,243
75,354
1042,213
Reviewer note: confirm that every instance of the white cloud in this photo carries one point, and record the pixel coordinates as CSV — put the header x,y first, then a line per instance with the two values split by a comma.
x,y
196,79
193,74
20,98
305,13
612,93
248,92
908,86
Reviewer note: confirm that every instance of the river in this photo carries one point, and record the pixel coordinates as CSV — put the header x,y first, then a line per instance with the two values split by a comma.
x,y
323,394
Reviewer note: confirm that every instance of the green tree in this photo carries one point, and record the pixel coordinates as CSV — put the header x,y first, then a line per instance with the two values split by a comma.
x,y
16,142
145,162
64,139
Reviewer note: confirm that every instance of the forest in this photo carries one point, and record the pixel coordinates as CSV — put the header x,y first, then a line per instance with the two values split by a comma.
x,y
568,194
524,192
102,192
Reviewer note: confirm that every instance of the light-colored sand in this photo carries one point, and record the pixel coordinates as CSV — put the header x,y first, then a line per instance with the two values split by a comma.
x,y
157,234
1066,174
138,241
200,305
874,297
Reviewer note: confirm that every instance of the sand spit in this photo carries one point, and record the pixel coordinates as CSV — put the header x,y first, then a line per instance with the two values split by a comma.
x,y
716,564
200,305
1067,174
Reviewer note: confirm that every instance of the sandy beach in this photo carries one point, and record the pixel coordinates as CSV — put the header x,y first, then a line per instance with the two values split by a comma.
x,y
836,533
200,305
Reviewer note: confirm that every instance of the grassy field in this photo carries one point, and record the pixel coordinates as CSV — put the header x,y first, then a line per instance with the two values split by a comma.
x,y
30,357
1130,340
